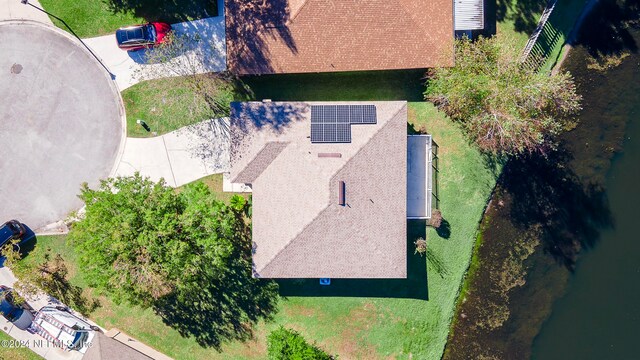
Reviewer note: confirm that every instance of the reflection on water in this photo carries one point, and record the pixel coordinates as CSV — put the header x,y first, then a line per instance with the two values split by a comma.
x,y
559,207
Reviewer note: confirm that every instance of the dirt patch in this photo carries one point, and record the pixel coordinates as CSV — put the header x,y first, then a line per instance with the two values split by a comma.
x,y
349,344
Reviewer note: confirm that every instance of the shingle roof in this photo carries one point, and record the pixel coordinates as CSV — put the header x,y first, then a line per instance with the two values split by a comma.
x,y
105,348
297,36
299,230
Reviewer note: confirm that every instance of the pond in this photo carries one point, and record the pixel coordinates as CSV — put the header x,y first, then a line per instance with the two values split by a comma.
x,y
556,271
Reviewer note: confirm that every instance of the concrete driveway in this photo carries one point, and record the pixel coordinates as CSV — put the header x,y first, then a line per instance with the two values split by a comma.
x,y
207,54
61,123
181,156
15,10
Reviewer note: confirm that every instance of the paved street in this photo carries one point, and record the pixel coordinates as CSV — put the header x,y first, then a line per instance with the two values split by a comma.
x,y
206,54
179,157
61,123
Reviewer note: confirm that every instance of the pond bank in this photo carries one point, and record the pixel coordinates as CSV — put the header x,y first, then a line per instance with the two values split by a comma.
x,y
546,211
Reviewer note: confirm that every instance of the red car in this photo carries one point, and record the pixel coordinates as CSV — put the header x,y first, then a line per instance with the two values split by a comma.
x,y
138,37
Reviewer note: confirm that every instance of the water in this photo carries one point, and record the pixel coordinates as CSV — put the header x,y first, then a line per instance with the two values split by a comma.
x,y
578,293
599,316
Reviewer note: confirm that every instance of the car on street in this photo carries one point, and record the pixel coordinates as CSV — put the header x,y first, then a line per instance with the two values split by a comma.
x,y
144,36
12,229
15,311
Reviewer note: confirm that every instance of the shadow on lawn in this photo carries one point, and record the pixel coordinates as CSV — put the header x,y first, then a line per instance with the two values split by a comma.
x,y
413,287
170,11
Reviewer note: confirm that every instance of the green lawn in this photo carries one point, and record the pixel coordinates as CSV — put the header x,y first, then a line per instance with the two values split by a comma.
x,y
169,104
363,319
518,19
15,353
89,18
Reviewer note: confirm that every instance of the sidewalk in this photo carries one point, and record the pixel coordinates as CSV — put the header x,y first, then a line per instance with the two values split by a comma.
x,y
15,10
181,156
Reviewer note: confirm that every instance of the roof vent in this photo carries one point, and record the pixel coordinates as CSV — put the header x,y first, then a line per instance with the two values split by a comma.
x,y
341,189
329,155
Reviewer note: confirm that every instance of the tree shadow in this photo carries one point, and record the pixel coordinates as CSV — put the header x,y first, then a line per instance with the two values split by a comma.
x,y
250,24
170,11
444,230
523,13
606,30
413,287
547,193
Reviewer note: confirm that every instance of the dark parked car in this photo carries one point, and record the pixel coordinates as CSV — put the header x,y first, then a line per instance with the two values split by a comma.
x,y
20,314
138,37
12,229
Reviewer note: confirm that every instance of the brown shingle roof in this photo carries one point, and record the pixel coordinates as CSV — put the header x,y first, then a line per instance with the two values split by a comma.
x,y
299,230
297,36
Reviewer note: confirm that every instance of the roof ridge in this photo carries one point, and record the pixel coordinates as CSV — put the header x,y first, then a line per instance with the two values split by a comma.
x,y
404,106
294,14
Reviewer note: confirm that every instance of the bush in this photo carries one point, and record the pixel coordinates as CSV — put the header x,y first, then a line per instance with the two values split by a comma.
x,y
436,218
505,107
421,246
286,344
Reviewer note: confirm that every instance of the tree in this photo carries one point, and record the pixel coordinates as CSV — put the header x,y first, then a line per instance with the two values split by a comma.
x,y
285,344
506,107
184,254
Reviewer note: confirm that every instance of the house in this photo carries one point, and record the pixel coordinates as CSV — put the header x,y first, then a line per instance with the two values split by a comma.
x,y
329,183
301,36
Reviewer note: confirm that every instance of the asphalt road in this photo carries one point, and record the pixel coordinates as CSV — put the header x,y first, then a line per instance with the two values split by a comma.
x,y
60,123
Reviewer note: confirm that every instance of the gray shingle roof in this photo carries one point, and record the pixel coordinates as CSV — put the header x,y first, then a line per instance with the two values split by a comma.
x,y
299,230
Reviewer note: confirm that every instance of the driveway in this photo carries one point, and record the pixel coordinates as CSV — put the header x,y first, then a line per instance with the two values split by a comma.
x,y
208,54
181,156
60,123
35,342
15,10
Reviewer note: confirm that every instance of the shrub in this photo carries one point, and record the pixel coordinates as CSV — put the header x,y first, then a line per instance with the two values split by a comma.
x,y
436,218
421,246
505,107
286,344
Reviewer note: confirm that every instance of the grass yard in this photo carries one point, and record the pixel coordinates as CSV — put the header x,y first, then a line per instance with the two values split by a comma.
x,y
372,319
89,18
15,353
518,19
169,104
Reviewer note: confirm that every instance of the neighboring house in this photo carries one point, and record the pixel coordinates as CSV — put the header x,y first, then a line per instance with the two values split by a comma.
x,y
329,184
105,348
300,36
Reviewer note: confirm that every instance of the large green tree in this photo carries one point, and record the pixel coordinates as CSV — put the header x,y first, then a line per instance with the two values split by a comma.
x,y
505,106
183,253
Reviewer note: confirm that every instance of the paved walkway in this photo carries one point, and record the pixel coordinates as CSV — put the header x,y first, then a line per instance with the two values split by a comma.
x,y
207,53
15,10
181,156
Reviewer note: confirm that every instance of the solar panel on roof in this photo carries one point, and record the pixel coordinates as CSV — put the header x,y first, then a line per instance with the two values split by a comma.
x,y
355,114
363,114
343,114
369,115
316,114
330,114
343,133
332,123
